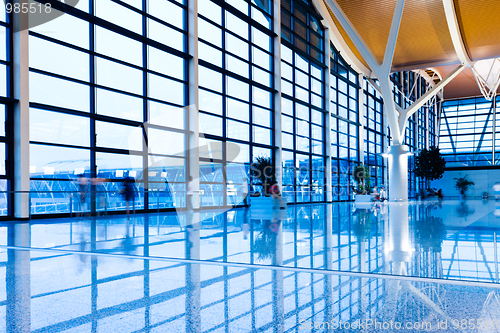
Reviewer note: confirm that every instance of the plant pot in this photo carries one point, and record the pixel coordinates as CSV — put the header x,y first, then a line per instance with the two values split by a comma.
x,y
363,198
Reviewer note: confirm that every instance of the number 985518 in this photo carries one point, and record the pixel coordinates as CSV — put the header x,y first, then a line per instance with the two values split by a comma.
x,y
32,8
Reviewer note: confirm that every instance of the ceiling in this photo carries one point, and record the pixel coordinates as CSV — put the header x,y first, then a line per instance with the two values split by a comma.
x,y
424,39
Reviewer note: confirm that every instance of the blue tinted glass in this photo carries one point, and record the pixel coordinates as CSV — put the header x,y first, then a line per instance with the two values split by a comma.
x,y
114,75
166,35
119,15
3,80
167,115
116,166
117,46
166,90
261,135
59,162
66,28
237,89
237,130
58,59
119,136
55,127
119,105
210,124
3,41
167,11
66,94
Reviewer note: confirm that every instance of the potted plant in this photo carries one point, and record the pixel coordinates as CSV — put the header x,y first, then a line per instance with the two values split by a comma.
x,y
462,184
429,165
264,175
262,171
361,175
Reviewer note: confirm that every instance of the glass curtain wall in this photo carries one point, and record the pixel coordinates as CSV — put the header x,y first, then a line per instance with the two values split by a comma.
x,y
466,132
236,87
107,97
374,135
344,91
302,104
5,106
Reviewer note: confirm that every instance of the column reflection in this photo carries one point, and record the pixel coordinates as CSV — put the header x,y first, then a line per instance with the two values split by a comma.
x,y
18,280
193,287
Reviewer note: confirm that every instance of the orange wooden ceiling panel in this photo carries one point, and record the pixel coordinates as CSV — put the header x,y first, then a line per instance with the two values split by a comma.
x,y
348,41
372,19
423,36
479,22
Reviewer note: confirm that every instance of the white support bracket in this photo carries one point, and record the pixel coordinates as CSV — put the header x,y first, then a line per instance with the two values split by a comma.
x,y
381,70
409,111
456,36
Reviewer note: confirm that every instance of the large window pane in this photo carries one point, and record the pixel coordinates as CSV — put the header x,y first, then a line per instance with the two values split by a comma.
x,y
55,127
57,92
58,162
114,75
167,12
66,28
165,35
166,142
165,63
166,115
116,166
117,46
118,136
119,15
58,59
165,89
119,105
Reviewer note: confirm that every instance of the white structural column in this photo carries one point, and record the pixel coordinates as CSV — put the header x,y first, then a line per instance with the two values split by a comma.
x,y
328,120
193,306
396,116
277,96
21,114
427,125
398,172
193,114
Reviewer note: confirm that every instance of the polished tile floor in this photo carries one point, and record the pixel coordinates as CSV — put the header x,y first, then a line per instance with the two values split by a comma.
x,y
422,266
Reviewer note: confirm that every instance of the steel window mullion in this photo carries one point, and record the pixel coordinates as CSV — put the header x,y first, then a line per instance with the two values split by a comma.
x,y
99,149
94,116
145,110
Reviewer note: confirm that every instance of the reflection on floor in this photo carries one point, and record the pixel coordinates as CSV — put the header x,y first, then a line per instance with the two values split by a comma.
x,y
429,266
